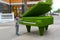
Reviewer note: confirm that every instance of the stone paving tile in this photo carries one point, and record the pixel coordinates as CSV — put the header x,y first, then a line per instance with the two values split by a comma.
x,y
53,32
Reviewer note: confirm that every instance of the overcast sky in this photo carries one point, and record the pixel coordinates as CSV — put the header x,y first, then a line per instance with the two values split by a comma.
x,y
56,4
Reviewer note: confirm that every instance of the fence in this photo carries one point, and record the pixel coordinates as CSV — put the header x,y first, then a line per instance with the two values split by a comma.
x,y
6,17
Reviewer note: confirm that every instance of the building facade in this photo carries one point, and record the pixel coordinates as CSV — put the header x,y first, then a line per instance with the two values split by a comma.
x,y
16,6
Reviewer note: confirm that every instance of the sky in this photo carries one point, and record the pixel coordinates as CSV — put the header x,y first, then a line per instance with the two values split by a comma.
x,y
56,4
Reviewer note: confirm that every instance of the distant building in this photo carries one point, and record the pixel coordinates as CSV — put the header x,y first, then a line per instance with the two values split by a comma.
x,y
15,5
1,7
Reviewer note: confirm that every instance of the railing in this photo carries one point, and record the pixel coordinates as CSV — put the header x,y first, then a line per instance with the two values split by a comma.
x,y
6,17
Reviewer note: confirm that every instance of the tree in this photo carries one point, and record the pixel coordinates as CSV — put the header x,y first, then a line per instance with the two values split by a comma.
x,y
58,11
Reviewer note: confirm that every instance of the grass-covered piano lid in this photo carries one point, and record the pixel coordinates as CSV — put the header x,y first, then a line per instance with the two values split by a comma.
x,y
33,17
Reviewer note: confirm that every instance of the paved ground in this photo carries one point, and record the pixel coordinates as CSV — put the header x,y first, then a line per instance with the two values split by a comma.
x,y
53,33
7,31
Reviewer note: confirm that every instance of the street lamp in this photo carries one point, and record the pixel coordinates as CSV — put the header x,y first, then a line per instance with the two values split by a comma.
x,y
24,6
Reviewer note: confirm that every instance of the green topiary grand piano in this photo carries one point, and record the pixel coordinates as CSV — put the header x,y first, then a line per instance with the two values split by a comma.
x,y
35,16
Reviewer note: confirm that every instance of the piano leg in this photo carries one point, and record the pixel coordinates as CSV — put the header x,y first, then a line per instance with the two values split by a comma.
x,y
41,30
28,28
46,27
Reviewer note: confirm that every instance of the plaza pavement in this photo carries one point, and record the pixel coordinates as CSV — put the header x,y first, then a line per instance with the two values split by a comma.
x,y
7,32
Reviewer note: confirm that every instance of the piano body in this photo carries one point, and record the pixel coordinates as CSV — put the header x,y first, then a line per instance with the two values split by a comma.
x,y
35,16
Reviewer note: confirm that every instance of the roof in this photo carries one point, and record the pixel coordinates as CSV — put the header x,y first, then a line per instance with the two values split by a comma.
x,y
13,1
33,2
17,2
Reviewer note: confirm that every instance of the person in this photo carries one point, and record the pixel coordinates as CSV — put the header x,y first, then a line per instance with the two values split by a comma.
x,y
17,26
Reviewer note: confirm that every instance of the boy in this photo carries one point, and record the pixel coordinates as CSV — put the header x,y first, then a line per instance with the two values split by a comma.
x,y
17,25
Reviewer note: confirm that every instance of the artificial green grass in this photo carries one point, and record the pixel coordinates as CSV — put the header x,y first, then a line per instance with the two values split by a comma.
x,y
37,10
33,17
42,21
49,2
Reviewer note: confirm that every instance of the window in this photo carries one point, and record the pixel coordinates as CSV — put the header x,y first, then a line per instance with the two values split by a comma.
x,y
5,9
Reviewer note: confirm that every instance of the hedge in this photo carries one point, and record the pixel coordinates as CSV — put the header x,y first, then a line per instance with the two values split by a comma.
x,y
49,2
42,21
38,9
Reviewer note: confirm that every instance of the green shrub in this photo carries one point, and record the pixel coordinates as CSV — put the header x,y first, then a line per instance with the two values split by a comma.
x,y
33,17
5,11
42,21
49,1
39,9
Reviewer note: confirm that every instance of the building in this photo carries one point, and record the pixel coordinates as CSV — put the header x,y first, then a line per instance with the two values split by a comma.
x,y
1,7
16,5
